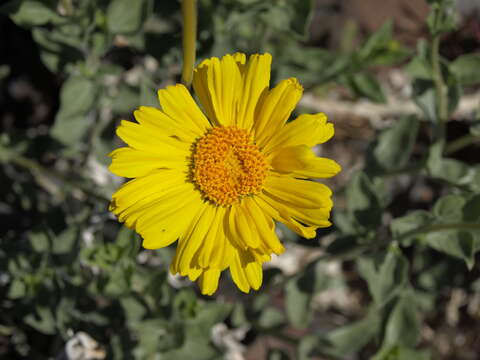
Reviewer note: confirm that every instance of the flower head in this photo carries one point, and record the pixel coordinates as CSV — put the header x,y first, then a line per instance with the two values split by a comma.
x,y
216,180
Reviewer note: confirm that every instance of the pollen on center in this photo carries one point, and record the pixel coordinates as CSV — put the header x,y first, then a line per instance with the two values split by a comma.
x,y
227,165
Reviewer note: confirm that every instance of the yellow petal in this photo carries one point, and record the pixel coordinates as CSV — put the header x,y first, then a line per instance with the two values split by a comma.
x,y
275,109
264,226
220,249
177,103
279,213
157,120
238,229
301,161
144,190
307,130
143,138
228,253
131,163
299,193
306,201
167,226
245,272
191,241
313,217
208,281
239,58
255,81
194,273
254,273
238,274
151,210
200,85
213,244
217,82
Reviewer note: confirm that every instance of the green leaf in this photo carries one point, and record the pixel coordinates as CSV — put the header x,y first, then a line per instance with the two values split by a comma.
x,y
30,13
465,68
366,85
39,240
157,335
118,283
17,289
395,144
4,71
193,349
247,2
342,341
125,16
363,202
239,316
347,246
271,318
212,314
454,171
299,292
148,93
55,53
276,17
460,244
378,39
297,304
403,227
350,338
403,326
449,208
77,97
424,97
450,170
302,16
126,100
42,320
420,66
401,353
475,183
471,210
196,344
64,242
134,308
387,278
442,17
277,354
308,345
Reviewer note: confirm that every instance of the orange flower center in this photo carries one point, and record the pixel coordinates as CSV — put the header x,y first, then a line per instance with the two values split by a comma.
x,y
227,165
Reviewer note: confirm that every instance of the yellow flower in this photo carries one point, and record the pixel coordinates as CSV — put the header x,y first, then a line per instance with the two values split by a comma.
x,y
216,180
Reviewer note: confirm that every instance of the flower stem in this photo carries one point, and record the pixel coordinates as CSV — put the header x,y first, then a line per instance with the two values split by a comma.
x,y
440,227
440,90
189,15
34,166
68,7
461,142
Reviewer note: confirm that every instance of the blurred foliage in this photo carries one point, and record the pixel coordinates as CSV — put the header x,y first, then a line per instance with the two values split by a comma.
x,y
66,265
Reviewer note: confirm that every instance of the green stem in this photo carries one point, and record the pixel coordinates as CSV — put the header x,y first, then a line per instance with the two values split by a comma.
x,y
440,227
67,5
34,166
415,168
189,15
461,142
440,90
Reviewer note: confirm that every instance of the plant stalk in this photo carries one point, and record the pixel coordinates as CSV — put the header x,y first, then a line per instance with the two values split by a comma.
x,y
441,94
189,38
440,227
461,143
